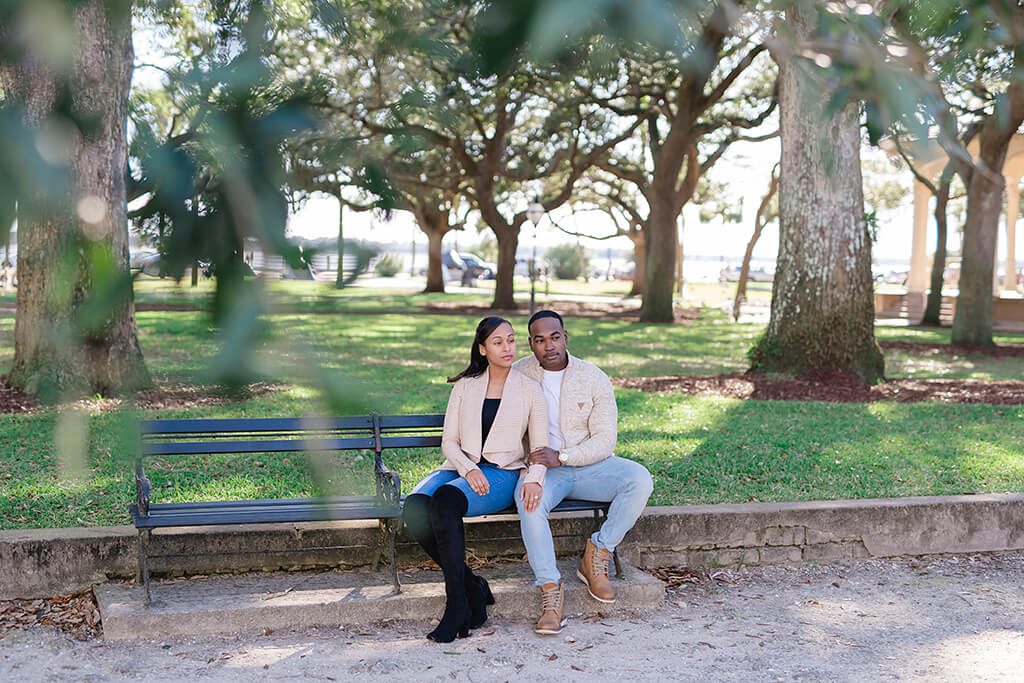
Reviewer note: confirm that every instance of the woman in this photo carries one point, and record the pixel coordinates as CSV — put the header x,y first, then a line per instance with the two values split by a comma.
x,y
490,408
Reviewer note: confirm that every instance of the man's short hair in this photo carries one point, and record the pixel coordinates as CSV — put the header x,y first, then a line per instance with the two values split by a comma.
x,y
544,313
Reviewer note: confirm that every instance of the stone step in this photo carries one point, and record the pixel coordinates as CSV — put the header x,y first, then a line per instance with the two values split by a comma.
x,y
253,603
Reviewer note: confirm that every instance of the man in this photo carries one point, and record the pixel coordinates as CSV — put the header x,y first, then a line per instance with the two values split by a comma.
x,y
582,419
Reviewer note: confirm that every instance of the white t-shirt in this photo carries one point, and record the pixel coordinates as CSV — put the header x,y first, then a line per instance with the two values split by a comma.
x,y
552,386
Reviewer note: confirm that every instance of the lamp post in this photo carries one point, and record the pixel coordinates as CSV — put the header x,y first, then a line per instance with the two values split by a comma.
x,y
534,213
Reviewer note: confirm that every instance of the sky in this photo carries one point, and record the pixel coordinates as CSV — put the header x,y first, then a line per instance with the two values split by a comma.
x,y
745,170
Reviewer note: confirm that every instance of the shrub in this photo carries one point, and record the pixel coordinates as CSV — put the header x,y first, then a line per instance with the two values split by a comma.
x,y
568,261
389,265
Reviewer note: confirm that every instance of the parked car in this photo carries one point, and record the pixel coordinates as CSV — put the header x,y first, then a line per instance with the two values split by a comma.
x,y
466,267
482,269
753,275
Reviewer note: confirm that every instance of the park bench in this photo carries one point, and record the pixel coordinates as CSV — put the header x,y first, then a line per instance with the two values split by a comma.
x,y
374,433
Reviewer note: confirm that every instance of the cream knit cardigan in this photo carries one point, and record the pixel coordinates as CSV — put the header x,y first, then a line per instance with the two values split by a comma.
x,y
588,415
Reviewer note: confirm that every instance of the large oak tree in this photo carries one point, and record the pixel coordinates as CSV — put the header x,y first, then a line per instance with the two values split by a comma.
x,y
75,327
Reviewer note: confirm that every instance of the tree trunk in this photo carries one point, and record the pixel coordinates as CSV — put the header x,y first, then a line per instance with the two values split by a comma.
x,y
972,322
822,316
639,239
933,306
760,221
433,222
435,269
504,293
662,240
679,281
74,255
339,278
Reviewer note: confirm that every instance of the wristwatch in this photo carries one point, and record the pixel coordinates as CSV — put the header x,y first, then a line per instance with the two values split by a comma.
x,y
563,457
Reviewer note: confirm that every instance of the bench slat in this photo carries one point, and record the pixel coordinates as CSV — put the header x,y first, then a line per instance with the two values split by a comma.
x,y
265,502
243,512
255,446
410,441
411,421
262,424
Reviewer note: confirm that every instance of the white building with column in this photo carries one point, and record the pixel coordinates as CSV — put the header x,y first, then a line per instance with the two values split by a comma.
x,y
929,160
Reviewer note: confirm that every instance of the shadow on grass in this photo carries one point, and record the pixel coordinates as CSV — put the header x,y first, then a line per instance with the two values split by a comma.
x,y
712,450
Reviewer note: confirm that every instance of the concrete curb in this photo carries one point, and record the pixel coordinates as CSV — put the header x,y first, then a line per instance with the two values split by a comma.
x,y
40,562
254,603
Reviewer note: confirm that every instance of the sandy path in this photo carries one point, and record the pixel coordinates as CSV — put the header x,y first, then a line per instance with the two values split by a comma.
x,y
944,618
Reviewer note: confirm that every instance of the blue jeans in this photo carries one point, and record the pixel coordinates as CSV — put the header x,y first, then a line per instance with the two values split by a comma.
x,y
625,484
499,498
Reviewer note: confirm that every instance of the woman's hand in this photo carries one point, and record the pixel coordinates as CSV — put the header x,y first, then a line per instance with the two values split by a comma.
x,y
478,482
530,495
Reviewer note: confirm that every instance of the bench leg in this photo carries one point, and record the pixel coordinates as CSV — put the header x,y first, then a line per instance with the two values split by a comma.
x,y
143,574
618,565
392,536
386,543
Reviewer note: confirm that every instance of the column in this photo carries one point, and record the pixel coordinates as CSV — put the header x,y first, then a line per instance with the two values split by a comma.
x,y
917,279
1012,213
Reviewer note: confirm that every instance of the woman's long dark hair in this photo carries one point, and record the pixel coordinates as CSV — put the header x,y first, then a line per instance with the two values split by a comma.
x,y
477,362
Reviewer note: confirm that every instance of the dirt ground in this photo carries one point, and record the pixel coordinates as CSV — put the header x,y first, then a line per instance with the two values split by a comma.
x,y
949,618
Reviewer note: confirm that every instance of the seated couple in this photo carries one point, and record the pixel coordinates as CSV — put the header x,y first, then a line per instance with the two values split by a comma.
x,y
567,407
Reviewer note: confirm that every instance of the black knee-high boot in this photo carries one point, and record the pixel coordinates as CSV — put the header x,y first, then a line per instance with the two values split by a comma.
x,y
416,515
447,507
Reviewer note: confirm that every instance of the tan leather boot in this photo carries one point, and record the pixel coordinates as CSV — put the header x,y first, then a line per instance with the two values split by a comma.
x,y
552,617
593,571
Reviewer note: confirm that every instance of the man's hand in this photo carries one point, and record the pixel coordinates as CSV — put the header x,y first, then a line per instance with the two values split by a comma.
x,y
544,456
478,482
530,495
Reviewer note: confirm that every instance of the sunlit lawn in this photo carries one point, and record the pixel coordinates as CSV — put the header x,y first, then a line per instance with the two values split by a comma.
x,y
700,449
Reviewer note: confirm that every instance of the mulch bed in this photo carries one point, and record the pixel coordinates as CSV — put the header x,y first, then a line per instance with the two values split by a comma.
x,y
162,397
75,614
836,389
832,388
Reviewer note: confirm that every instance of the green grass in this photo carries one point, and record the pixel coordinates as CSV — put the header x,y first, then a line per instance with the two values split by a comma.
x,y
700,449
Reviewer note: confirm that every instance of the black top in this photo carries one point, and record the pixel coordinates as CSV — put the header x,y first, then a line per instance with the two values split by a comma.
x,y
487,415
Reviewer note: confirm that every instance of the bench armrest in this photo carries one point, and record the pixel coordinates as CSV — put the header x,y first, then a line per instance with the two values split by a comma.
x,y
142,489
389,484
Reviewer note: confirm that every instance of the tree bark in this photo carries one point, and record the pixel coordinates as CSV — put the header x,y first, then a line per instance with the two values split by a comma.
x,y
972,322
339,278
933,306
67,339
822,316
639,239
760,221
504,292
435,269
659,285
434,222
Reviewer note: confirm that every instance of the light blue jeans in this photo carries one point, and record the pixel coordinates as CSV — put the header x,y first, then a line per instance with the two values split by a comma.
x,y
625,484
498,499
